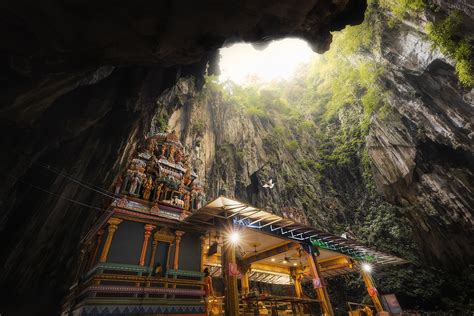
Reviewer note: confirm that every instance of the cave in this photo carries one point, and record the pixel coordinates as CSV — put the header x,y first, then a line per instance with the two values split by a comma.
x,y
86,83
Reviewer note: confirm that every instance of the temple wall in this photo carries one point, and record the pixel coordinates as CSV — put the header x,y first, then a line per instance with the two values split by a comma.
x,y
127,243
190,252
161,254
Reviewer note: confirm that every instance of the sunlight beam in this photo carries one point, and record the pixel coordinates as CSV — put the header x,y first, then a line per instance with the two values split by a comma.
x,y
242,62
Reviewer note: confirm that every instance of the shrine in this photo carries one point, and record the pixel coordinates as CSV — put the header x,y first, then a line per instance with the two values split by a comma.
x,y
161,249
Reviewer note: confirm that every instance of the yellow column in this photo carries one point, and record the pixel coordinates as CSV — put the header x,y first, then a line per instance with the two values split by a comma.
x,y
296,276
203,252
245,280
113,225
370,285
177,242
320,288
146,236
154,246
231,295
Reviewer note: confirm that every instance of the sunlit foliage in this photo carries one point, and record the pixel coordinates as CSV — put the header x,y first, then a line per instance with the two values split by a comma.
x,y
400,9
445,36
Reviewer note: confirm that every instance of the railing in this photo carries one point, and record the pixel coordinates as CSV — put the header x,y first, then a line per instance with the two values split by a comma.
x,y
132,284
118,267
184,273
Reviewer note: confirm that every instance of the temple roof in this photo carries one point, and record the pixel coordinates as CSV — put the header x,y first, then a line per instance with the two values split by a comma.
x,y
251,217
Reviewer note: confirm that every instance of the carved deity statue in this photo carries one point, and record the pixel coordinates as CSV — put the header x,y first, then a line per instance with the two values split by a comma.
x,y
147,188
151,146
171,153
178,156
187,177
163,151
134,184
186,201
158,191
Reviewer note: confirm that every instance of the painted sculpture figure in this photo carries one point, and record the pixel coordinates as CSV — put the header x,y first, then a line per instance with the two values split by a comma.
x,y
161,172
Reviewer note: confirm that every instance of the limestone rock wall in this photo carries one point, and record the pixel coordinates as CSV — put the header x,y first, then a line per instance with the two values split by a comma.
x,y
423,154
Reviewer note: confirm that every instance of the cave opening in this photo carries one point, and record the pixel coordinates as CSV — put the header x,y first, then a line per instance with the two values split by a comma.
x,y
243,62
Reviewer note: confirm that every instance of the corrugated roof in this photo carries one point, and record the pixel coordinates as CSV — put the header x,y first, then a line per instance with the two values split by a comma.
x,y
249,216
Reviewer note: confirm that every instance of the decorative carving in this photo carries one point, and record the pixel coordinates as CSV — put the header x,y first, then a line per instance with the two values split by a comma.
x,y
155,210
168,179
163,234
147,188
122,203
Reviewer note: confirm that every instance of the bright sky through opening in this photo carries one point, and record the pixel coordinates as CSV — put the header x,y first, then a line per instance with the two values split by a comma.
x,y
279,60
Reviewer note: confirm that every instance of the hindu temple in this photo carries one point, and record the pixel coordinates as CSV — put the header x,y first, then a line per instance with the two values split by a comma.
x,y
159,241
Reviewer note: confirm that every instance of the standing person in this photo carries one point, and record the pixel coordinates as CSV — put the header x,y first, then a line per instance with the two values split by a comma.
x,y
208,289
158,270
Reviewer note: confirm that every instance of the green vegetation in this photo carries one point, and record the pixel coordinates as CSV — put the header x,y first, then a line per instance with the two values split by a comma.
x,y
334,98
198,127
445,36
161,121
400,9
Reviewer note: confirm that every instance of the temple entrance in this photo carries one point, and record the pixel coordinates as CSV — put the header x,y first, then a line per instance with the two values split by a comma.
x,y
261,261
271,271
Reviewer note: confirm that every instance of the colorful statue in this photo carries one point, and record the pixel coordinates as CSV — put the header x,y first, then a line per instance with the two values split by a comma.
x,y
178,157
171,153
163,151
158,190
134,184
147,188
162,171
151,145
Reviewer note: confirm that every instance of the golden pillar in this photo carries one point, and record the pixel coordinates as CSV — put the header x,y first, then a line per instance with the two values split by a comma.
x,y
154,246
231,294
113,225
146,236
177,243
319,286
372,290
245,280
296,277
203,251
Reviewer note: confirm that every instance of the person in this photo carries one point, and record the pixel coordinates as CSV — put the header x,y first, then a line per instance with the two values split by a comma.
x,y
208,289
157,271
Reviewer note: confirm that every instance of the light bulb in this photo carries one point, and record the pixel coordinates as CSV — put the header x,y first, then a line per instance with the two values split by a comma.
x,y
234,237
367,267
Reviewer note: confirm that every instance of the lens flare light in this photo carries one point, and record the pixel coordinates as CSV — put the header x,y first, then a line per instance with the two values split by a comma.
x,y
234,237
366,267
